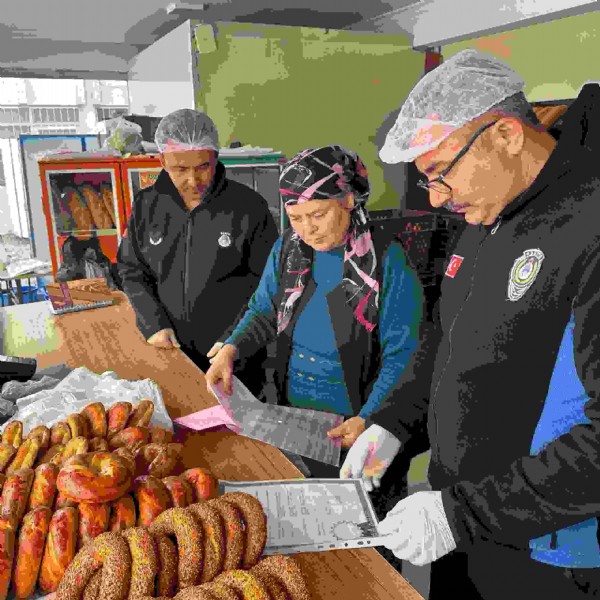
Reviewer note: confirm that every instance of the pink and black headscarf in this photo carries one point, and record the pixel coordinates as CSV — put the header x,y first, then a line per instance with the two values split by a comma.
x,y
327,173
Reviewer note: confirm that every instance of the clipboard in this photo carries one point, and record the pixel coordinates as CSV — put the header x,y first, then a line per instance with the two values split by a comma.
x,y
69,297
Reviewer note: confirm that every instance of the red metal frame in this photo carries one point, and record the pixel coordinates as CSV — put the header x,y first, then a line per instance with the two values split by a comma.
x,y
109,244
139,162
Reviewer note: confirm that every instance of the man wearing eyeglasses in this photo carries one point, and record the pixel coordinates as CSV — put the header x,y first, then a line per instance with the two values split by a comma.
x,y
506,387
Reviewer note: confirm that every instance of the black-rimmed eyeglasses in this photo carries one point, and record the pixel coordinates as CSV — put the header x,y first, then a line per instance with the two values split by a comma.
x,y
438,184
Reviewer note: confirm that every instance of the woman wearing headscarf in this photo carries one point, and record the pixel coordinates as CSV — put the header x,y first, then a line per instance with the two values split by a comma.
x,y
340,301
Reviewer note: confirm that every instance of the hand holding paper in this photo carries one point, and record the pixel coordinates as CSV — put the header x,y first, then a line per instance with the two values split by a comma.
x,y
370,456
347,433
221,369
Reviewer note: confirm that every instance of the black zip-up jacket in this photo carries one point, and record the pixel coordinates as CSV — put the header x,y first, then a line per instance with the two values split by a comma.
x,y
194,271
478,382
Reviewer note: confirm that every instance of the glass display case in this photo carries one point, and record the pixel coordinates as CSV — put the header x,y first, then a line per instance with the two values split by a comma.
x,y
137,173
86,197
82,199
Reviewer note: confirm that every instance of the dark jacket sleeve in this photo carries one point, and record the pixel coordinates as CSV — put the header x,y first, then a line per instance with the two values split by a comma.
x,y
404,410
557,487
258,325
261,237
139,284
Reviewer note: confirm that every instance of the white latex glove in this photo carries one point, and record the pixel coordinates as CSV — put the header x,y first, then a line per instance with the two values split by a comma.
x,y
417,529
370,456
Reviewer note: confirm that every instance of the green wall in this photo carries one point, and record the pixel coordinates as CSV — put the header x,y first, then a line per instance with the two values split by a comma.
x,y
288,88
555,58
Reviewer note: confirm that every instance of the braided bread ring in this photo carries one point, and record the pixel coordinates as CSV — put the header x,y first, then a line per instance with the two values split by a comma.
x,y
203,483
25,457
59,550
60,433
131,437
180,491
15,495
94,477
141,414
13,434
95,417
7,453
30,549
7,551
160,435
152,499
52,455
93,520
78,425
43,489
98,444
117,417
181,524
42,434
122,514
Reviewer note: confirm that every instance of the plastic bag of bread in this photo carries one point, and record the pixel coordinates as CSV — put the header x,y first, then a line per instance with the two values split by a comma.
x,y
80,211
81,388
102,218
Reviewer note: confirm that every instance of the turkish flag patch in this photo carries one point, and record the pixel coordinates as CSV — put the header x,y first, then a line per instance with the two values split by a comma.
x,y
454,265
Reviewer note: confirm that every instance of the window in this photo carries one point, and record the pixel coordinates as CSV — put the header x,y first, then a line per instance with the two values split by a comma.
x,y
48,120
14,120
110,112
2,176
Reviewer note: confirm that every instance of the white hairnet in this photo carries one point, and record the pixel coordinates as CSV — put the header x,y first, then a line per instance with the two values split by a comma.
x,y
459,90
186,129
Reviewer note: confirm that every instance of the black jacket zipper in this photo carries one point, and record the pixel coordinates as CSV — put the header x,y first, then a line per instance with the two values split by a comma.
x,y
463,304
188,236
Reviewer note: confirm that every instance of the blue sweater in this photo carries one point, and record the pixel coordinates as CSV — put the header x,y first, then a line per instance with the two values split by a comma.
x,y
315,372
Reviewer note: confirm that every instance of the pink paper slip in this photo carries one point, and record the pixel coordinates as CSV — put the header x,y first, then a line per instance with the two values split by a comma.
x,y
208,418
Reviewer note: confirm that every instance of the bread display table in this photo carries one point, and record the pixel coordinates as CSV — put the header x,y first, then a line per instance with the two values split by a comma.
x,y
106,339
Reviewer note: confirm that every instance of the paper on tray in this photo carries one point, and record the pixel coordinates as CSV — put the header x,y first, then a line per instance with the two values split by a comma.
x,y
214,416
81,387
312,515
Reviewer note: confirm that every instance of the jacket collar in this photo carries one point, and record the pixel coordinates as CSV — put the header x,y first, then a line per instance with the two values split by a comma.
x,y
573,151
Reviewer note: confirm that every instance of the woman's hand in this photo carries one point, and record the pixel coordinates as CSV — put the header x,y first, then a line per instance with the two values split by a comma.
x,y
165,338
221,369
212,353
349,431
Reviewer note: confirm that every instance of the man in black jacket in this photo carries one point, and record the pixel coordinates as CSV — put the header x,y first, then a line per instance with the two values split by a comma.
x,y
506,386
195,246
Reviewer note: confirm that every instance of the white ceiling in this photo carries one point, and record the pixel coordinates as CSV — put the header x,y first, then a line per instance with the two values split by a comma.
x,y
85,38
97,40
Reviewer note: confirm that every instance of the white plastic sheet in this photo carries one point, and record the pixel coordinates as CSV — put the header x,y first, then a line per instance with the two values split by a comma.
x,y
80,388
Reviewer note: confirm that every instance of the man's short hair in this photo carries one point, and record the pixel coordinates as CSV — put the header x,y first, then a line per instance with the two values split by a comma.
x,y
518,106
